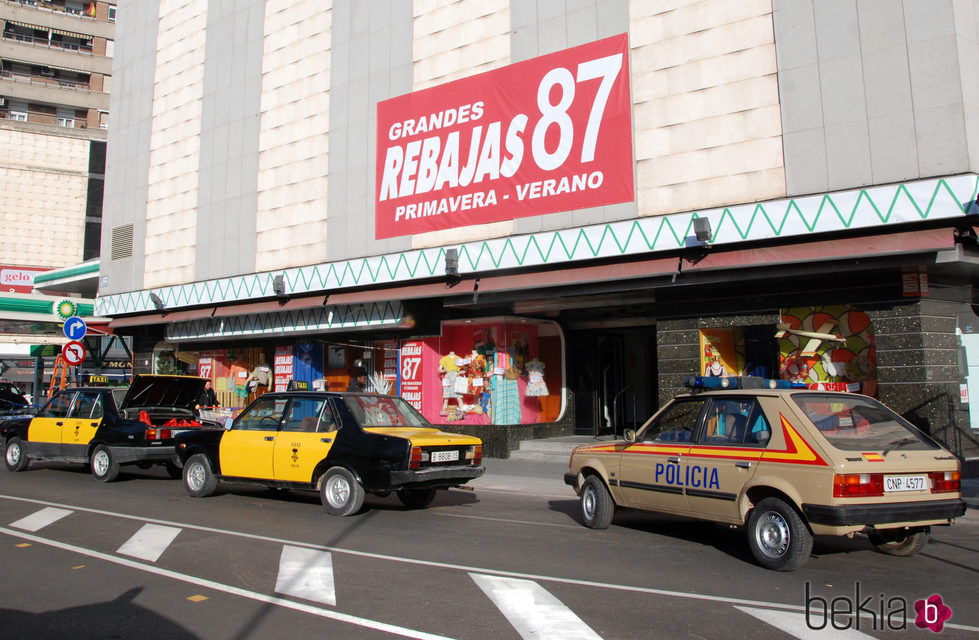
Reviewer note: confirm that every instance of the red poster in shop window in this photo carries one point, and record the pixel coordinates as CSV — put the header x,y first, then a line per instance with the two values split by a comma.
x,y
411,372
549,134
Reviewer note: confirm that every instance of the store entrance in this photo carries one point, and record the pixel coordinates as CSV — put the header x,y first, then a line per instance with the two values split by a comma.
x,y
613,379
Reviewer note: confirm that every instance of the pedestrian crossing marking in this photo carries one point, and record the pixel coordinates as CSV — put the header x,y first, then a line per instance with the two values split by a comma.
x,y
149,542
795,625
532,610
40,519
306,573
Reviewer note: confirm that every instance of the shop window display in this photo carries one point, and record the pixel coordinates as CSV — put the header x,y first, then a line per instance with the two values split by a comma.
x,y
494,371
831,348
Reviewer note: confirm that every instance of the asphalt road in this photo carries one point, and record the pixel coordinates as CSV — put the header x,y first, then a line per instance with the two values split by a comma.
x,y
140,559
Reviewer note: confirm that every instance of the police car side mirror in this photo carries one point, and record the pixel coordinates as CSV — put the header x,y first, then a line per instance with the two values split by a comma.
x,y
629,435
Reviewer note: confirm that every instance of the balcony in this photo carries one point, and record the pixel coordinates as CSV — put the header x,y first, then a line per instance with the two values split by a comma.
x,y
66,91
49,16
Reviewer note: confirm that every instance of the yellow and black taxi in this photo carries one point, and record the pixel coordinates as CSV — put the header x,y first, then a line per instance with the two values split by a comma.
x,y
85,424
785,463
343,445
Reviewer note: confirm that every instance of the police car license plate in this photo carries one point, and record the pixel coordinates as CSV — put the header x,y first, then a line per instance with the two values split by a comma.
x,y
905,483
444,456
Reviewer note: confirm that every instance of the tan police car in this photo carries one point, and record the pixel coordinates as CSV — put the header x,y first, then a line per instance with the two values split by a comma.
x,y
786,463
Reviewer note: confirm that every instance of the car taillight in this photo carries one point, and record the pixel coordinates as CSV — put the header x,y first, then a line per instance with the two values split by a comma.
x,y
858,484
475,453
945,481
417,458
158,434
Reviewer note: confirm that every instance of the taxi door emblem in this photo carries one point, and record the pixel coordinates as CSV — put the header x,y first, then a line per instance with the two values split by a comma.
x,y
295,455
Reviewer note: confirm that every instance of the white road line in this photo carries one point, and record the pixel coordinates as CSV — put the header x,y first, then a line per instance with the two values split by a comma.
x,y
307,574
40,519
149,543
235,591
447,565
532,610
795,625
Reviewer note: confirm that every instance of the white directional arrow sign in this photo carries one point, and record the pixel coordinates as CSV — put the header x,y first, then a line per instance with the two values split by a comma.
x,y
75,328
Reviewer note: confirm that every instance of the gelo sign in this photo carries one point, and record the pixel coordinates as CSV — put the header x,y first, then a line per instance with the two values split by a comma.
x,y
18,279
549,134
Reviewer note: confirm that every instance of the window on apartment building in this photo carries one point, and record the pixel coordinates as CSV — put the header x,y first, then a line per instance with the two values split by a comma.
x,y
17,110
74,7
112,13
66,117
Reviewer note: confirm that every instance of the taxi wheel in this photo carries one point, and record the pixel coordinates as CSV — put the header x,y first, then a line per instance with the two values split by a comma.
x,y
340,492
417,498
15,458
778,537
104,466
597,505
904,546
199,479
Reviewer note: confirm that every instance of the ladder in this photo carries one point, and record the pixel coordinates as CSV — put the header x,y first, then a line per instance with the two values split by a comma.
x,y
59,375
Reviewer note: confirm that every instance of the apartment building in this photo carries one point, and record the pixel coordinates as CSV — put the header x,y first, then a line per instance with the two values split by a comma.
x,y
55,78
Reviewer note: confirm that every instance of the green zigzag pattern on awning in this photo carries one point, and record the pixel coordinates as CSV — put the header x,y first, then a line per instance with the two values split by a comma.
x,y
298,321
869,208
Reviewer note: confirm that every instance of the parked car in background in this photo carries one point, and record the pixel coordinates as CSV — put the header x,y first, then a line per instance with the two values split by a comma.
x,y
12,401
786,464
340,444
86,425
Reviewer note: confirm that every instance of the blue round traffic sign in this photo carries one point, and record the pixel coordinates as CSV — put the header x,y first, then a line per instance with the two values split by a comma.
x,y
75,328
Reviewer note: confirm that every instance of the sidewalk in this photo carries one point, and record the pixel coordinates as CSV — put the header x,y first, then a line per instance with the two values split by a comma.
x,y
544,478
534,477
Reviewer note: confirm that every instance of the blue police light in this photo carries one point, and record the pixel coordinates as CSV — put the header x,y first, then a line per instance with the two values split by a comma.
x,y
740,382
712,382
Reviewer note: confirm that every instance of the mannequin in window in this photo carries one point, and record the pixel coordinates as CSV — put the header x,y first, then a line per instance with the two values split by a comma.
x,y
260,377
715,369
449,370
536,387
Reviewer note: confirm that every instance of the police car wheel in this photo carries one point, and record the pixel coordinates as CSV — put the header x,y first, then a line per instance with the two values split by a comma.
x,y
417,498
199,479
778,537
15,458
899,545
597,505
104,466
340,492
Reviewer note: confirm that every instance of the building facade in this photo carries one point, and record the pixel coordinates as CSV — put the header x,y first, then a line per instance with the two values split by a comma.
x,y
535,218
55,78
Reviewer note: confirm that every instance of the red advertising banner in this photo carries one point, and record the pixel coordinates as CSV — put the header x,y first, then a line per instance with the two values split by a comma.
x,y
411,372
18,279
544,135
283,368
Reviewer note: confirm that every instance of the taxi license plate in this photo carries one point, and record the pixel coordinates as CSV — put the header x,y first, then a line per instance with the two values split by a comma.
x,y
444,456
905,483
